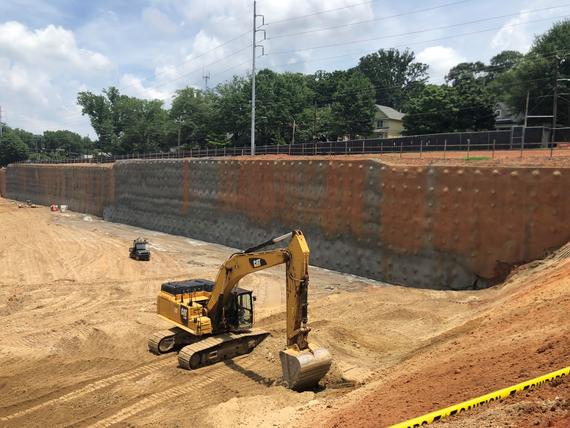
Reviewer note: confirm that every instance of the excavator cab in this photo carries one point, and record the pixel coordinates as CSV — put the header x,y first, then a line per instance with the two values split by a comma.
x,y
240,314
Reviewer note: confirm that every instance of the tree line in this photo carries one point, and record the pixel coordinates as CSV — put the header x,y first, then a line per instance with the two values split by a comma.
x,y
296,107
17,144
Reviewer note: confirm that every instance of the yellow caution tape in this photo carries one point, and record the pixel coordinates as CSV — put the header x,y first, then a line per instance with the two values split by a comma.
x,y
483,399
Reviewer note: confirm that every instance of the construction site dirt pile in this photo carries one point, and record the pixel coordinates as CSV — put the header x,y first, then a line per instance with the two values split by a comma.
x,y
76,313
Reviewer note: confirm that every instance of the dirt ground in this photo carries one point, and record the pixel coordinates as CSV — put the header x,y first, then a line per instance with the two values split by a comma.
x,y
559,157
75,314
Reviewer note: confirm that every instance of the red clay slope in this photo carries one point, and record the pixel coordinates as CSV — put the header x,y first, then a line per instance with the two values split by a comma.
x,y
522,334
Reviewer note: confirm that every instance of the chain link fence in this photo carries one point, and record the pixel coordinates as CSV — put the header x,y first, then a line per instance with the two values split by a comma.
x,y
526,140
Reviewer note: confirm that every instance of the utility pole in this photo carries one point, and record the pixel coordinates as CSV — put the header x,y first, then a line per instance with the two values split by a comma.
x,y
254,47
315,122
206,77
555,102
1,123
526,109
293,139
525,120
179,122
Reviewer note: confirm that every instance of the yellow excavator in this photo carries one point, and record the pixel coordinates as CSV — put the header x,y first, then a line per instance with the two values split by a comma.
x,y
214,319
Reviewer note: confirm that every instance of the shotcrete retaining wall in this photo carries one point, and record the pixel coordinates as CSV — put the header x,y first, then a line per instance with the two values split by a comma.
x,y
437,227
84,188
434,227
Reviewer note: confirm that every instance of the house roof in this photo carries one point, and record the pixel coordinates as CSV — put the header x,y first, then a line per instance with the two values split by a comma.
x,y
390,112
505,113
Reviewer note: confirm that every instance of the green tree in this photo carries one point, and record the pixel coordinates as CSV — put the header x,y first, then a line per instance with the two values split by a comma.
x,y
432,111
142,125
467,71
67,142
316,124
395,75
324,85
192,112
100,109
535,74
281,99
475,106
468,106
503,62
33,141
12,148
126,124
354,107
232,111
499,65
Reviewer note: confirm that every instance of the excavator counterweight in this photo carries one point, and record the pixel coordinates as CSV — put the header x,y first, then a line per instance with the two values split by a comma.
x,y
214,319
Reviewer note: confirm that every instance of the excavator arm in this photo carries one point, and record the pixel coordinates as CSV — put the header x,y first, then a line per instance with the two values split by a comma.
x,y
303,363
231,272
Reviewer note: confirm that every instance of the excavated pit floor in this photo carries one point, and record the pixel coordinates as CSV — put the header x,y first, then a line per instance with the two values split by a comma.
x,y
75,313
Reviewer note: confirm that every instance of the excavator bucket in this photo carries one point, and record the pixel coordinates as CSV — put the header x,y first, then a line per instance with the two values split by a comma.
x,y
304,369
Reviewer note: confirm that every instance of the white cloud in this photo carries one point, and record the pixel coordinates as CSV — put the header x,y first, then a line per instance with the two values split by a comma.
x,y
514,35
518,33
50,46
158,20
40,74
49,52
440,59
133,86
204,43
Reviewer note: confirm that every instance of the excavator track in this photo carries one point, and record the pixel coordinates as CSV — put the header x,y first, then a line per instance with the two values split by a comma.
x,y
218,348
165,341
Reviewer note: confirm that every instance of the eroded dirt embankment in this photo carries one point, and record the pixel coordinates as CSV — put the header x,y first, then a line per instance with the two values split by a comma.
x,y
518,331
434,225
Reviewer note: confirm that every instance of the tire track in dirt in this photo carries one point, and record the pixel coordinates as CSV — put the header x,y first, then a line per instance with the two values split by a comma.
x,y
195,384
92,387
197,381
103,281
86,302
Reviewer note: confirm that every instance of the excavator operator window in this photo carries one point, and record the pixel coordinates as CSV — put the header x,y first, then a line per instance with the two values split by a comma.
x,y
240,314
245,310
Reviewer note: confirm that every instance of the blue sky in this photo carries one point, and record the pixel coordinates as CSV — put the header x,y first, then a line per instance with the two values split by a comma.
x,y
50,50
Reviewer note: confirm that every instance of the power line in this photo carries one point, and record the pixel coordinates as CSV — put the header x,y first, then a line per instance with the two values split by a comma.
x,y
279,53
276,53
199,56
237,66
334,97
296,18
368,52
448,110
562,53
200,68
418,32
381,18
194,84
